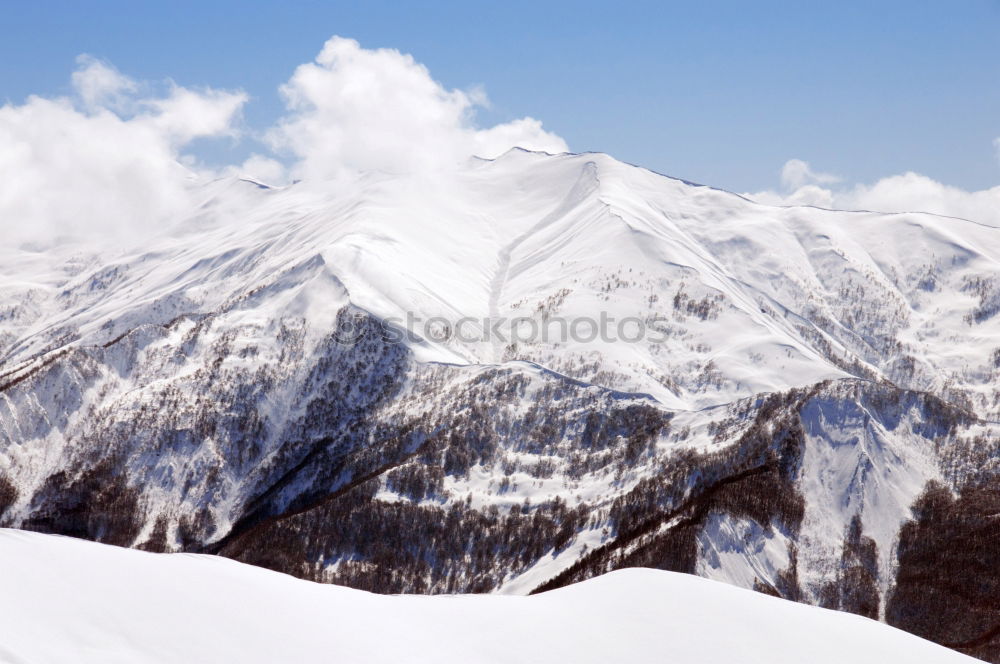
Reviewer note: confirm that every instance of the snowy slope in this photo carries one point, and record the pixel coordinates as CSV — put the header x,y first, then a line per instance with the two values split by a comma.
x,y
66,600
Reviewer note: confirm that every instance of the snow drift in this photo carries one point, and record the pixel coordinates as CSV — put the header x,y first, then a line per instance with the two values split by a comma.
x,y
67,600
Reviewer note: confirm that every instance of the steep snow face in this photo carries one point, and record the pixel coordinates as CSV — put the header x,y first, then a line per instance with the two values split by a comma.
x,y
68,600
855,463
242,384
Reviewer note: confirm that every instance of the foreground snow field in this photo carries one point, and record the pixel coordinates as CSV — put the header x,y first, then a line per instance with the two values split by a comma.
x,y
68,600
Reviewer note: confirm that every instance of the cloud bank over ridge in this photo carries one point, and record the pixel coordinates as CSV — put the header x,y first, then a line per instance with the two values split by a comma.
x,y
358,110
909,192
114,158
108,158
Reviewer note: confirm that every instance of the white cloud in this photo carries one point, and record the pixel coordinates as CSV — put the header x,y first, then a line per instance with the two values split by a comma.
x,y
188,114
358,109
909,192
524,133
809,194
913,192
796,174
99,84
104,162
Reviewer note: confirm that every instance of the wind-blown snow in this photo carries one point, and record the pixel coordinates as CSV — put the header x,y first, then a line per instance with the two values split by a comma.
x,y
67,600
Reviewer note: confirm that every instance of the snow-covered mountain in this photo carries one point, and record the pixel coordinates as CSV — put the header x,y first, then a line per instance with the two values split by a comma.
x,y
774,391
66,600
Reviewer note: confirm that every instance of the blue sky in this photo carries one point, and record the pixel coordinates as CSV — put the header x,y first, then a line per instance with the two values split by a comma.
x,y
717,92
